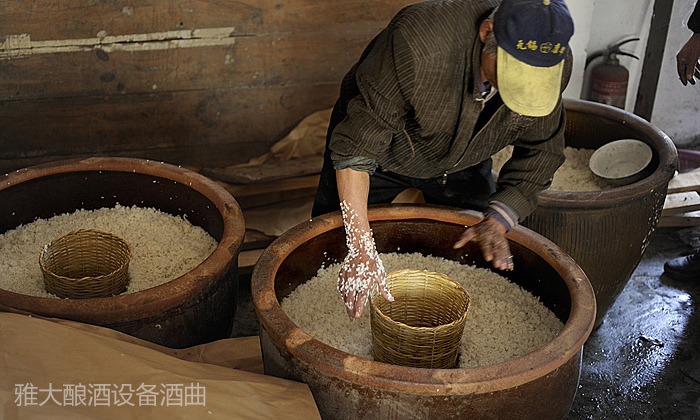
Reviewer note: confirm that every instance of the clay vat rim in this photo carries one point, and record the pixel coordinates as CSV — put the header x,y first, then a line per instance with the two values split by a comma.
x,y
331,361
155,300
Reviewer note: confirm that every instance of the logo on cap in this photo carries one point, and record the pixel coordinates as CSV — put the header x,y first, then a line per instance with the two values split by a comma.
x,y
536,32
544,48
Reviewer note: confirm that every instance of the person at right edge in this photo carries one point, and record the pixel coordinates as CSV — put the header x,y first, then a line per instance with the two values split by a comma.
x,y
688,267
446,85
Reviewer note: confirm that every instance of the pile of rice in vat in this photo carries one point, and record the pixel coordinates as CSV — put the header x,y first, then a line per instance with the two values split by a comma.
x,y
573,175
163,246
504,321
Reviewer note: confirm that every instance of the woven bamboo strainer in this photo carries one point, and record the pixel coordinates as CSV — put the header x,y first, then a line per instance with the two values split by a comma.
x,y
85,263
424,325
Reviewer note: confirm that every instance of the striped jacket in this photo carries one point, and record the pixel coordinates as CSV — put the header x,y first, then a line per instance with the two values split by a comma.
x,y
411,103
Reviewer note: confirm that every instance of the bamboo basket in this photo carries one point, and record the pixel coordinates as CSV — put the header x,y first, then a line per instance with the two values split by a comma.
x,y
423,326
85,263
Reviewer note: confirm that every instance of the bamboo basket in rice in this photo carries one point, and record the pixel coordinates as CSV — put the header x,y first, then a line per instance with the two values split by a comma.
x,y
423,326
86,263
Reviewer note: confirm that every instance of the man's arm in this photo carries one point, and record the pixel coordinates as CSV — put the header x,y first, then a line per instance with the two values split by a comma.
x,y
687,58
372,118
362,268
538,154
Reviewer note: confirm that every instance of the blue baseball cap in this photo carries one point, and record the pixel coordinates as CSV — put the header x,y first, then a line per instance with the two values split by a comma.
x,y
533,41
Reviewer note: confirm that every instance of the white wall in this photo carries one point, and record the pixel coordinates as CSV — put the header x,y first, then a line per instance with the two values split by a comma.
x,y
582,13
599,23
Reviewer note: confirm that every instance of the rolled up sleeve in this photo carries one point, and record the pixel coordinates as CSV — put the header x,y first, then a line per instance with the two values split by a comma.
x,y
357,163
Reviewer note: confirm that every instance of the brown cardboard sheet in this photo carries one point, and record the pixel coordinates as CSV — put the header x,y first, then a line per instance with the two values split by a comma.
x,y
58,369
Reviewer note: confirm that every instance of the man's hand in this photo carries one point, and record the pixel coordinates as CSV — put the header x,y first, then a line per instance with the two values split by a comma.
x,y
490,234
687,60
362,268
360,272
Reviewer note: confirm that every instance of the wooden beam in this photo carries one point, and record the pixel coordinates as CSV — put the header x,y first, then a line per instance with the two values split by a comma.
x,y
653,58
271,60
49,19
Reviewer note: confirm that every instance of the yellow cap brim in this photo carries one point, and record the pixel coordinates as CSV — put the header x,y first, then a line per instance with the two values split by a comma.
x,y
528,90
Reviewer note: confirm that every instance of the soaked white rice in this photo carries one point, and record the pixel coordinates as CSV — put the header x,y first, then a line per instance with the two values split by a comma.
x,y
163,246
573,175
504,321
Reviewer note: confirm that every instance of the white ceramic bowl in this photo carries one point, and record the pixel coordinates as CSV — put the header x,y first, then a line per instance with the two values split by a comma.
x,y
621,162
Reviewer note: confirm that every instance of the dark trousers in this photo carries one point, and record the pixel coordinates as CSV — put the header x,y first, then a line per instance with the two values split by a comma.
x,y
468,189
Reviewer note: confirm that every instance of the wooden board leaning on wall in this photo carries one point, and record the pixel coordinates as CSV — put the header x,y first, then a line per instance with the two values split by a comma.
x,y
161,79
200,128
682,205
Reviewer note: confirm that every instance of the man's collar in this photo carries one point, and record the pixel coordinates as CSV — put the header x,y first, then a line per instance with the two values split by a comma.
x,y
486,89
482,91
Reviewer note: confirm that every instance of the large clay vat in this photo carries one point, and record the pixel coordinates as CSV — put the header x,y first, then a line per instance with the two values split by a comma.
x,y
192,309
606,232
539,385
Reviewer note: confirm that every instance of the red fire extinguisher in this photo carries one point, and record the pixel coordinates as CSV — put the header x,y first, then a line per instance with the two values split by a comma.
x,y
609,79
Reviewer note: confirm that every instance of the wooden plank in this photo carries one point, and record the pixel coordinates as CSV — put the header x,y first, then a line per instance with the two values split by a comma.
x,y
687,181
87,18
252,201
264,193
49,19
296,49
254,239
266,60
181,128
681,220
681,203
302,182
266,172
247,260
86,78
194,155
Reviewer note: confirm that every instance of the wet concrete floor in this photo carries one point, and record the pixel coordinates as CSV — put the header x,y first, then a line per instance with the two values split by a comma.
x,y
643,363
